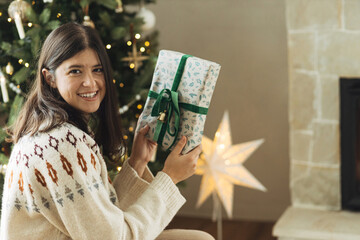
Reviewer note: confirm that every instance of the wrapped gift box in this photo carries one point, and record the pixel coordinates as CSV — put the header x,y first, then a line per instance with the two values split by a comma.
x,y
179,98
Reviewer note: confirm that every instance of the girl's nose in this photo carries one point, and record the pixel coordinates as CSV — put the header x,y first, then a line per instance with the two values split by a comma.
x,y
89,80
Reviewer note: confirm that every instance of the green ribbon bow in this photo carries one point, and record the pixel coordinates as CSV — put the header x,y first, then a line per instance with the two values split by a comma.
x,y
167,107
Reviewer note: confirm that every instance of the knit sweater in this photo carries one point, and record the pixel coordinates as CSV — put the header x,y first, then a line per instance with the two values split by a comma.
x,y
57,187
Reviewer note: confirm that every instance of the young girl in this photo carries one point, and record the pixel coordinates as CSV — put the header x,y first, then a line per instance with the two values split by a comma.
x,y
56,184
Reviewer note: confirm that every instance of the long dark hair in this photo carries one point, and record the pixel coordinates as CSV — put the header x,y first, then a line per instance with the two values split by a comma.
x,y
45,109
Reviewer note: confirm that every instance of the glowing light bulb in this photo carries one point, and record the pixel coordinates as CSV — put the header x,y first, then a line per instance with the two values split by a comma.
x,y
114,81
132,65
118,168
21,61
9,69
121,85
129,43
9,19
33,2
30,24
137,115
147,43
27,65
125,137
0,14
137,36
108,46
58,15
131,129
139,106
142,49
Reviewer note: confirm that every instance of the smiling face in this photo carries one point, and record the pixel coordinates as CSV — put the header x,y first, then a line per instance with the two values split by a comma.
x,y
81,82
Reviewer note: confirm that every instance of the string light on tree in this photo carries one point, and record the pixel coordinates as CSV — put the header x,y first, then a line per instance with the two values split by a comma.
x,y
17,10
135,58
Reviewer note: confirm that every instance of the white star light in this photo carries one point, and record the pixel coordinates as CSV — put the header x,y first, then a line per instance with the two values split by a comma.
x,y
222,166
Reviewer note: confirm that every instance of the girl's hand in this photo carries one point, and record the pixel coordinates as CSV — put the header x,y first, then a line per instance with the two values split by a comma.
x,y
142,150
180,167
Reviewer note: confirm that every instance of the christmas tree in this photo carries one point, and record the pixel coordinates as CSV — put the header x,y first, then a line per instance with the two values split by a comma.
x,y
126,28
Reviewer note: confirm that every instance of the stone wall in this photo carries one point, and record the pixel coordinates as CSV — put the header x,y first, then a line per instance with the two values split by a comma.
x,y
324,45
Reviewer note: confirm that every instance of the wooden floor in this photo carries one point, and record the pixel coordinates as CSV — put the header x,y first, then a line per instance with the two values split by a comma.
x,y
232,230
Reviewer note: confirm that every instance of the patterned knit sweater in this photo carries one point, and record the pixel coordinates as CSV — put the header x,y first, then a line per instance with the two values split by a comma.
x,y
57,187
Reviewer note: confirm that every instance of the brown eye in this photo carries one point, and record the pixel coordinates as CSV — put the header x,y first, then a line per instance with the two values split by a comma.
x,y
98,70
75,71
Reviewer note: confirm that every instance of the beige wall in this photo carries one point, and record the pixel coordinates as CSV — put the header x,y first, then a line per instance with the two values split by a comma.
x,y
248,38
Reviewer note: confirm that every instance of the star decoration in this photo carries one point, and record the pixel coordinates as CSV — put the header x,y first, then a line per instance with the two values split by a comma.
x,y
221,165
135,58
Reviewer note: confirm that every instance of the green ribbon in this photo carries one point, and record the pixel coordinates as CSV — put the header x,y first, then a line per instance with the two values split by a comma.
x,y
167,107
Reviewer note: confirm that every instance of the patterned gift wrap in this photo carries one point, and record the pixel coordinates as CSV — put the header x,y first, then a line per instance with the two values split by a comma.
x,y
179,98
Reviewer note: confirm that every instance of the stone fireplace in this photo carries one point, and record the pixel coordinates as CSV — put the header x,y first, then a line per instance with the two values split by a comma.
x,y
323,46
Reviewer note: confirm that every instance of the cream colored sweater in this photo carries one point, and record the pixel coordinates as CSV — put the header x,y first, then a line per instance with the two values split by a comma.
x,y
57,187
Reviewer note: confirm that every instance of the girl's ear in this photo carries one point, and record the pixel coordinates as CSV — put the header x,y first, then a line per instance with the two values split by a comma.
x,y
49,77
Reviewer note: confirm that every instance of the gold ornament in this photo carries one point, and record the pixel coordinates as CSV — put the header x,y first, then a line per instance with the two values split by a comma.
x,y
88,22
135,58
9,69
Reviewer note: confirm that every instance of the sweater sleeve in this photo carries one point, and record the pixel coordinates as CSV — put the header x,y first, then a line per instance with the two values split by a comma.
x,y
129,186
80,202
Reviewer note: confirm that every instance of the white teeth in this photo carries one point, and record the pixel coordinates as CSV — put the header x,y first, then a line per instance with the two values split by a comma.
x,y
88,95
